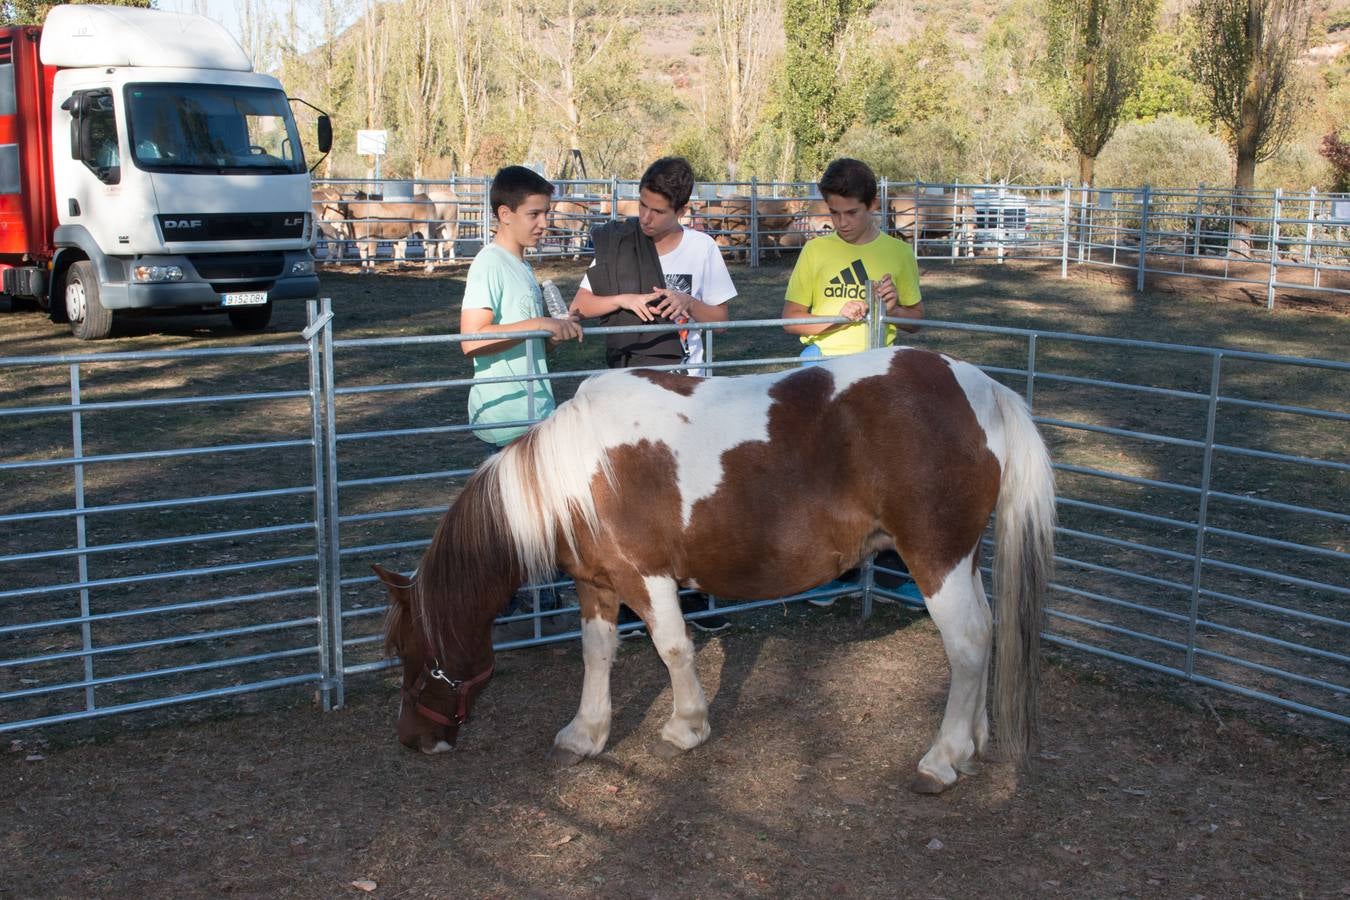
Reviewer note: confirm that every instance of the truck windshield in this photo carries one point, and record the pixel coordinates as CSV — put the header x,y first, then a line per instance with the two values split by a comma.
x,y
212,129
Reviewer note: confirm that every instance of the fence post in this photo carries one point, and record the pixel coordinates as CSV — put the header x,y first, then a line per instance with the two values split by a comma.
x,y
876,311
1202,516
1274,248
1064,247
485,230
1308,257
613,198
81,539
1199,219
318,334
884,190
1143,239
1082,220
754,222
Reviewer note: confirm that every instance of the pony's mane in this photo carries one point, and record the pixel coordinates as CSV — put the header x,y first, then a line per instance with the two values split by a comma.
x,y
544,482
502,530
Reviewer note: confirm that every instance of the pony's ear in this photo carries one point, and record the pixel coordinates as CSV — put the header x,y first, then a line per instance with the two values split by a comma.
x,y
396,583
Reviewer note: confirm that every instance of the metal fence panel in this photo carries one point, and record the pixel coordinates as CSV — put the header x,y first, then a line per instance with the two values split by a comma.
x,y
1280,241
1202,527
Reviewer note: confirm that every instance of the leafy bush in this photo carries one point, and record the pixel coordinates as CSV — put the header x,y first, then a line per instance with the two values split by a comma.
x,y
1169,151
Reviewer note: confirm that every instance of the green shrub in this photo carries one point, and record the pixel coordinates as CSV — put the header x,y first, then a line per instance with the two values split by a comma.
x,y
1168,152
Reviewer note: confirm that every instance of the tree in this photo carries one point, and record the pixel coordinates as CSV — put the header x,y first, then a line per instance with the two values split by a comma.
x,y
1093,60
815,113
33,12
420,83
743,43
468,26
579,59
1245,61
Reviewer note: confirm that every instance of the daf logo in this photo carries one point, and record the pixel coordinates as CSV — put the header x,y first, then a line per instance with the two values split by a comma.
x,y
182,223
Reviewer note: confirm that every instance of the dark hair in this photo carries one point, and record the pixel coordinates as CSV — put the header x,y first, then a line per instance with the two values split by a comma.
x,y
672,178
851,178
511,185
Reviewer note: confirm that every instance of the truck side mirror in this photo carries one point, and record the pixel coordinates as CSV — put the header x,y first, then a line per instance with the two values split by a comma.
x,y
325,134
74,104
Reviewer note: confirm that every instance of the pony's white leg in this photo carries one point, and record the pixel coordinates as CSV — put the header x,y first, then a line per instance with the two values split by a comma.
x,y
966,624
688,725
587,733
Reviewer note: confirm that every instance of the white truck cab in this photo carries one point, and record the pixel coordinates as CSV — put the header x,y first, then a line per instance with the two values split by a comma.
x,y
178,175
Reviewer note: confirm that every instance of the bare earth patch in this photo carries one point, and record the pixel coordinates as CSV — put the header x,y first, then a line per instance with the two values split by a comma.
x,y
1140,789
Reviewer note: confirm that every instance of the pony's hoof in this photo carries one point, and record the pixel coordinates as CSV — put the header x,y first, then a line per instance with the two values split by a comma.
x,y
666,750
562,758
924,783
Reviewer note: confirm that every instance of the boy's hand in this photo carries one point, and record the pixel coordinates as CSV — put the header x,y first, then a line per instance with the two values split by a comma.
x,y
639,305
854,310
886,291
560,330
673,304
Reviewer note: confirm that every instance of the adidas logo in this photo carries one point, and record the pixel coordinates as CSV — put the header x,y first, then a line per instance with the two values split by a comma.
x,y
849,284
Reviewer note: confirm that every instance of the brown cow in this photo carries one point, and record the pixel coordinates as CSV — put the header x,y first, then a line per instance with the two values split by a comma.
x,y
372,221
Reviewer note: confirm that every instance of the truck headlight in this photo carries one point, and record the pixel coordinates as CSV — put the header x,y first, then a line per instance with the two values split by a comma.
x,y
302,267
157,273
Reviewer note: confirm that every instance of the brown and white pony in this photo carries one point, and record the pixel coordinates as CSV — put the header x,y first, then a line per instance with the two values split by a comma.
x,y
757,486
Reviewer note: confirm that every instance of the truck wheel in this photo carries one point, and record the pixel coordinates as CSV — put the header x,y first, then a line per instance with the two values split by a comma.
x,y
89,321
251,318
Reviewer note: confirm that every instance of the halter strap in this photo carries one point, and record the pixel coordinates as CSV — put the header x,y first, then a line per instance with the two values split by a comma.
x,y
460,690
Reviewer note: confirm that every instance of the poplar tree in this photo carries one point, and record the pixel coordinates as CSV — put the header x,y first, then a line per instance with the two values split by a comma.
x,y
1246,62
813,112
1094,55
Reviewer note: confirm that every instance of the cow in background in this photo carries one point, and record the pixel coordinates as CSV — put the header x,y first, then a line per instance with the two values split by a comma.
x,y
330,222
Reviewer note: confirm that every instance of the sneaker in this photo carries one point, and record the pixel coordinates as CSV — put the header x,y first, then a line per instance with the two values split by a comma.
x,y
697,603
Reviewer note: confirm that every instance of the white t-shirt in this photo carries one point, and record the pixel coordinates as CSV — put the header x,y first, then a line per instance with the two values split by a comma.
x,y
695,267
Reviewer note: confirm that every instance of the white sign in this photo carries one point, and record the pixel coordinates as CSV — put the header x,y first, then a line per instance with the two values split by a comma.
x,y
372,142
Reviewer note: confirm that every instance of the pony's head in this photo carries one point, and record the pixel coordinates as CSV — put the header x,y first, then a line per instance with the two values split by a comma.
x,y
441,680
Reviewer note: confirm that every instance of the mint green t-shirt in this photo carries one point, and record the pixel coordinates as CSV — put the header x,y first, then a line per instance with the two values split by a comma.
x,y
507,286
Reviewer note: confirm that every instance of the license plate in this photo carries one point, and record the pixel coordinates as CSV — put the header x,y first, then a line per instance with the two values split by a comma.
x,y
246,298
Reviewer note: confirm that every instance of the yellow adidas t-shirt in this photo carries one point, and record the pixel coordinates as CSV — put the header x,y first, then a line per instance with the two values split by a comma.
x,y
831,271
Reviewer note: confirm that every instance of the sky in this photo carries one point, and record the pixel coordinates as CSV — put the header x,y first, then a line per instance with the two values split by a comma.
x,y
226,12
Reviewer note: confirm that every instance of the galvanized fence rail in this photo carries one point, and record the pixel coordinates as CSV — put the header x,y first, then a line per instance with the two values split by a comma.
x,y
1272,240
1202,534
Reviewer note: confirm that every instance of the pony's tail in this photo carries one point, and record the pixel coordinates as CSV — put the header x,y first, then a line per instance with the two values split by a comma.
x,y
1024,537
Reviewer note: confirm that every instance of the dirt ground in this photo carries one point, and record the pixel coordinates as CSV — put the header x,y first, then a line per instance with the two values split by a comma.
x,y
1145,787
1141,789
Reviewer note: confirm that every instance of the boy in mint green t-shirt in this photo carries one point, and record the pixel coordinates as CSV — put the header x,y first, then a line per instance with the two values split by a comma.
x,y
501,296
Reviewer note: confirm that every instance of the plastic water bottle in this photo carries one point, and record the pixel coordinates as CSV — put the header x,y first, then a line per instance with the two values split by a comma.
x,y
553,301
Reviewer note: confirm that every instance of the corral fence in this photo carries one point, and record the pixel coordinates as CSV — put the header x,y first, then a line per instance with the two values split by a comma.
x,y
193,524
1271,241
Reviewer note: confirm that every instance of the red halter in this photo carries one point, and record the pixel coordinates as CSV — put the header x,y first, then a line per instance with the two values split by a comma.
x,y
459,690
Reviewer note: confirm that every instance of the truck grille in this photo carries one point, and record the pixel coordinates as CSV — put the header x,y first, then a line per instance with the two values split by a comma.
x,y
237,266
230,226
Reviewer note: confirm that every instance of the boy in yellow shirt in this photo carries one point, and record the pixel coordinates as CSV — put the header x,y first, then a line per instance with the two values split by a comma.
x,y
831,275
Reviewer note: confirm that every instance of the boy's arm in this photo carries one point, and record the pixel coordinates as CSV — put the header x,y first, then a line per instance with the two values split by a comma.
x,y
592,306
474,320
855,310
